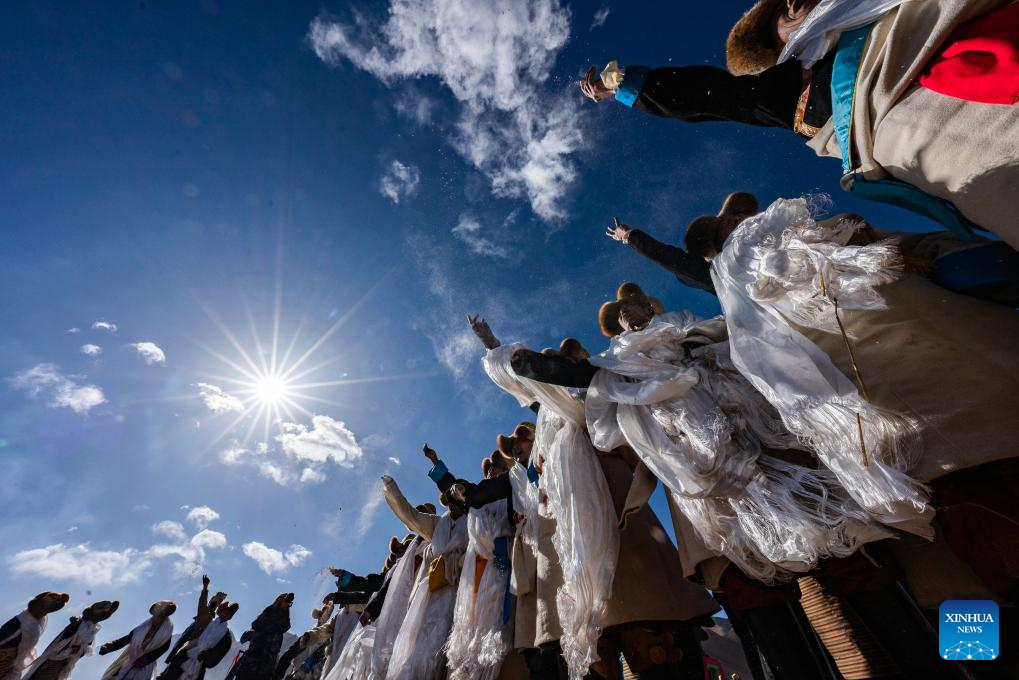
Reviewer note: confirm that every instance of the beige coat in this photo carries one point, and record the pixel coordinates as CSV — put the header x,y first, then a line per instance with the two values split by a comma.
x,y
537,577
649,583
964,152
950,361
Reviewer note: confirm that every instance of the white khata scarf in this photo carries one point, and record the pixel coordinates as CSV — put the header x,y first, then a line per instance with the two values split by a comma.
x,y
123,668
31,630
780,269
70,649
671,391
586,537
210,637
821,30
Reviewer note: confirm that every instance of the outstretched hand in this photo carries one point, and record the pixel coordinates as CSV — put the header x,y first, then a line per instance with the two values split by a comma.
x,y
618,231
430,454
206,581
483,331
593,87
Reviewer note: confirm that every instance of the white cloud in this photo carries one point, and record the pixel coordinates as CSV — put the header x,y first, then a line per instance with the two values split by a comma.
x,y
312,476
150,352
218,401
91,350
327,440
170,529
207,538
400,181
59,390
274,472
600,16
102,325
273,561
202,515
468,230
415,106
394,460
496,57
234,455
81,563
73,330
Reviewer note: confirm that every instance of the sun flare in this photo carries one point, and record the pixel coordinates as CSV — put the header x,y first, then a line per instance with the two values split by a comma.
x,y
270,389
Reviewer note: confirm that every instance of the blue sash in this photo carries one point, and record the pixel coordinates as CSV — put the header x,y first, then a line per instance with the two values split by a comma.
x,y
895,192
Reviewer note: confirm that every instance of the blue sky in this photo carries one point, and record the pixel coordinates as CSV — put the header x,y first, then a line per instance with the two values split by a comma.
x,y
198,174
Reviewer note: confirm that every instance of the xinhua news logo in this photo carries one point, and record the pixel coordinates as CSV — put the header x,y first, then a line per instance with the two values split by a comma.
x,y
968,630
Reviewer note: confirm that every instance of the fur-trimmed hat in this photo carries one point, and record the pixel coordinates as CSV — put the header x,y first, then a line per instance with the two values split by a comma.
x,y
608,315
700,233
524,430
753,44
569,348
427,508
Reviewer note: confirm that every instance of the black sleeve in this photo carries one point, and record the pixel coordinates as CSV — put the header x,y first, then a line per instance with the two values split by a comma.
x,y
484,492
353,597
9,629
118,644
183,639
216,654
691,271
374,606
152,656
287,658
371,583
697,94
554,370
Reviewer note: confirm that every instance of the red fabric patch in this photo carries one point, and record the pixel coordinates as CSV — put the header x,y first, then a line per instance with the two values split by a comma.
x,y
980,62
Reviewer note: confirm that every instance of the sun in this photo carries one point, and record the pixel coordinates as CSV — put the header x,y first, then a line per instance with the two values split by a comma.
x,y
271,390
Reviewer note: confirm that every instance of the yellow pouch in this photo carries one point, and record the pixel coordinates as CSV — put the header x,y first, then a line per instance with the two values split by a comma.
x,y
437,575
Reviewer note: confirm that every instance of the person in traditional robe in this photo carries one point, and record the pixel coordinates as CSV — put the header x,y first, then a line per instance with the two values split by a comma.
x,y
982,268
142,646
854,78
73,643
259,660
842,338
305,658
206,613
481,636
345,621
211,645
20,634
207,608
418,652
742,482
656,631
393,611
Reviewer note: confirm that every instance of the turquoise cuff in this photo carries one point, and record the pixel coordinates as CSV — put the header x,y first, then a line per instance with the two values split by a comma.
x,y
344,580
632,85
438,472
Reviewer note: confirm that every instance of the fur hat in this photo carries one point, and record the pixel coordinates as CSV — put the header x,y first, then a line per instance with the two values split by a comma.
x,y
569,348
700,234
50,602
524,430
753,45
427,508
100,611
163,607
608,315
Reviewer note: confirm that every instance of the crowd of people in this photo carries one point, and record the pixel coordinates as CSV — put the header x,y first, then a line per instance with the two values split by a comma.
x,y
836,448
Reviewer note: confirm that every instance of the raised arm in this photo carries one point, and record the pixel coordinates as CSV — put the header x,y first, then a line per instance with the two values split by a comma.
x,y
483,332
691,271
475,495
421,523
697,94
